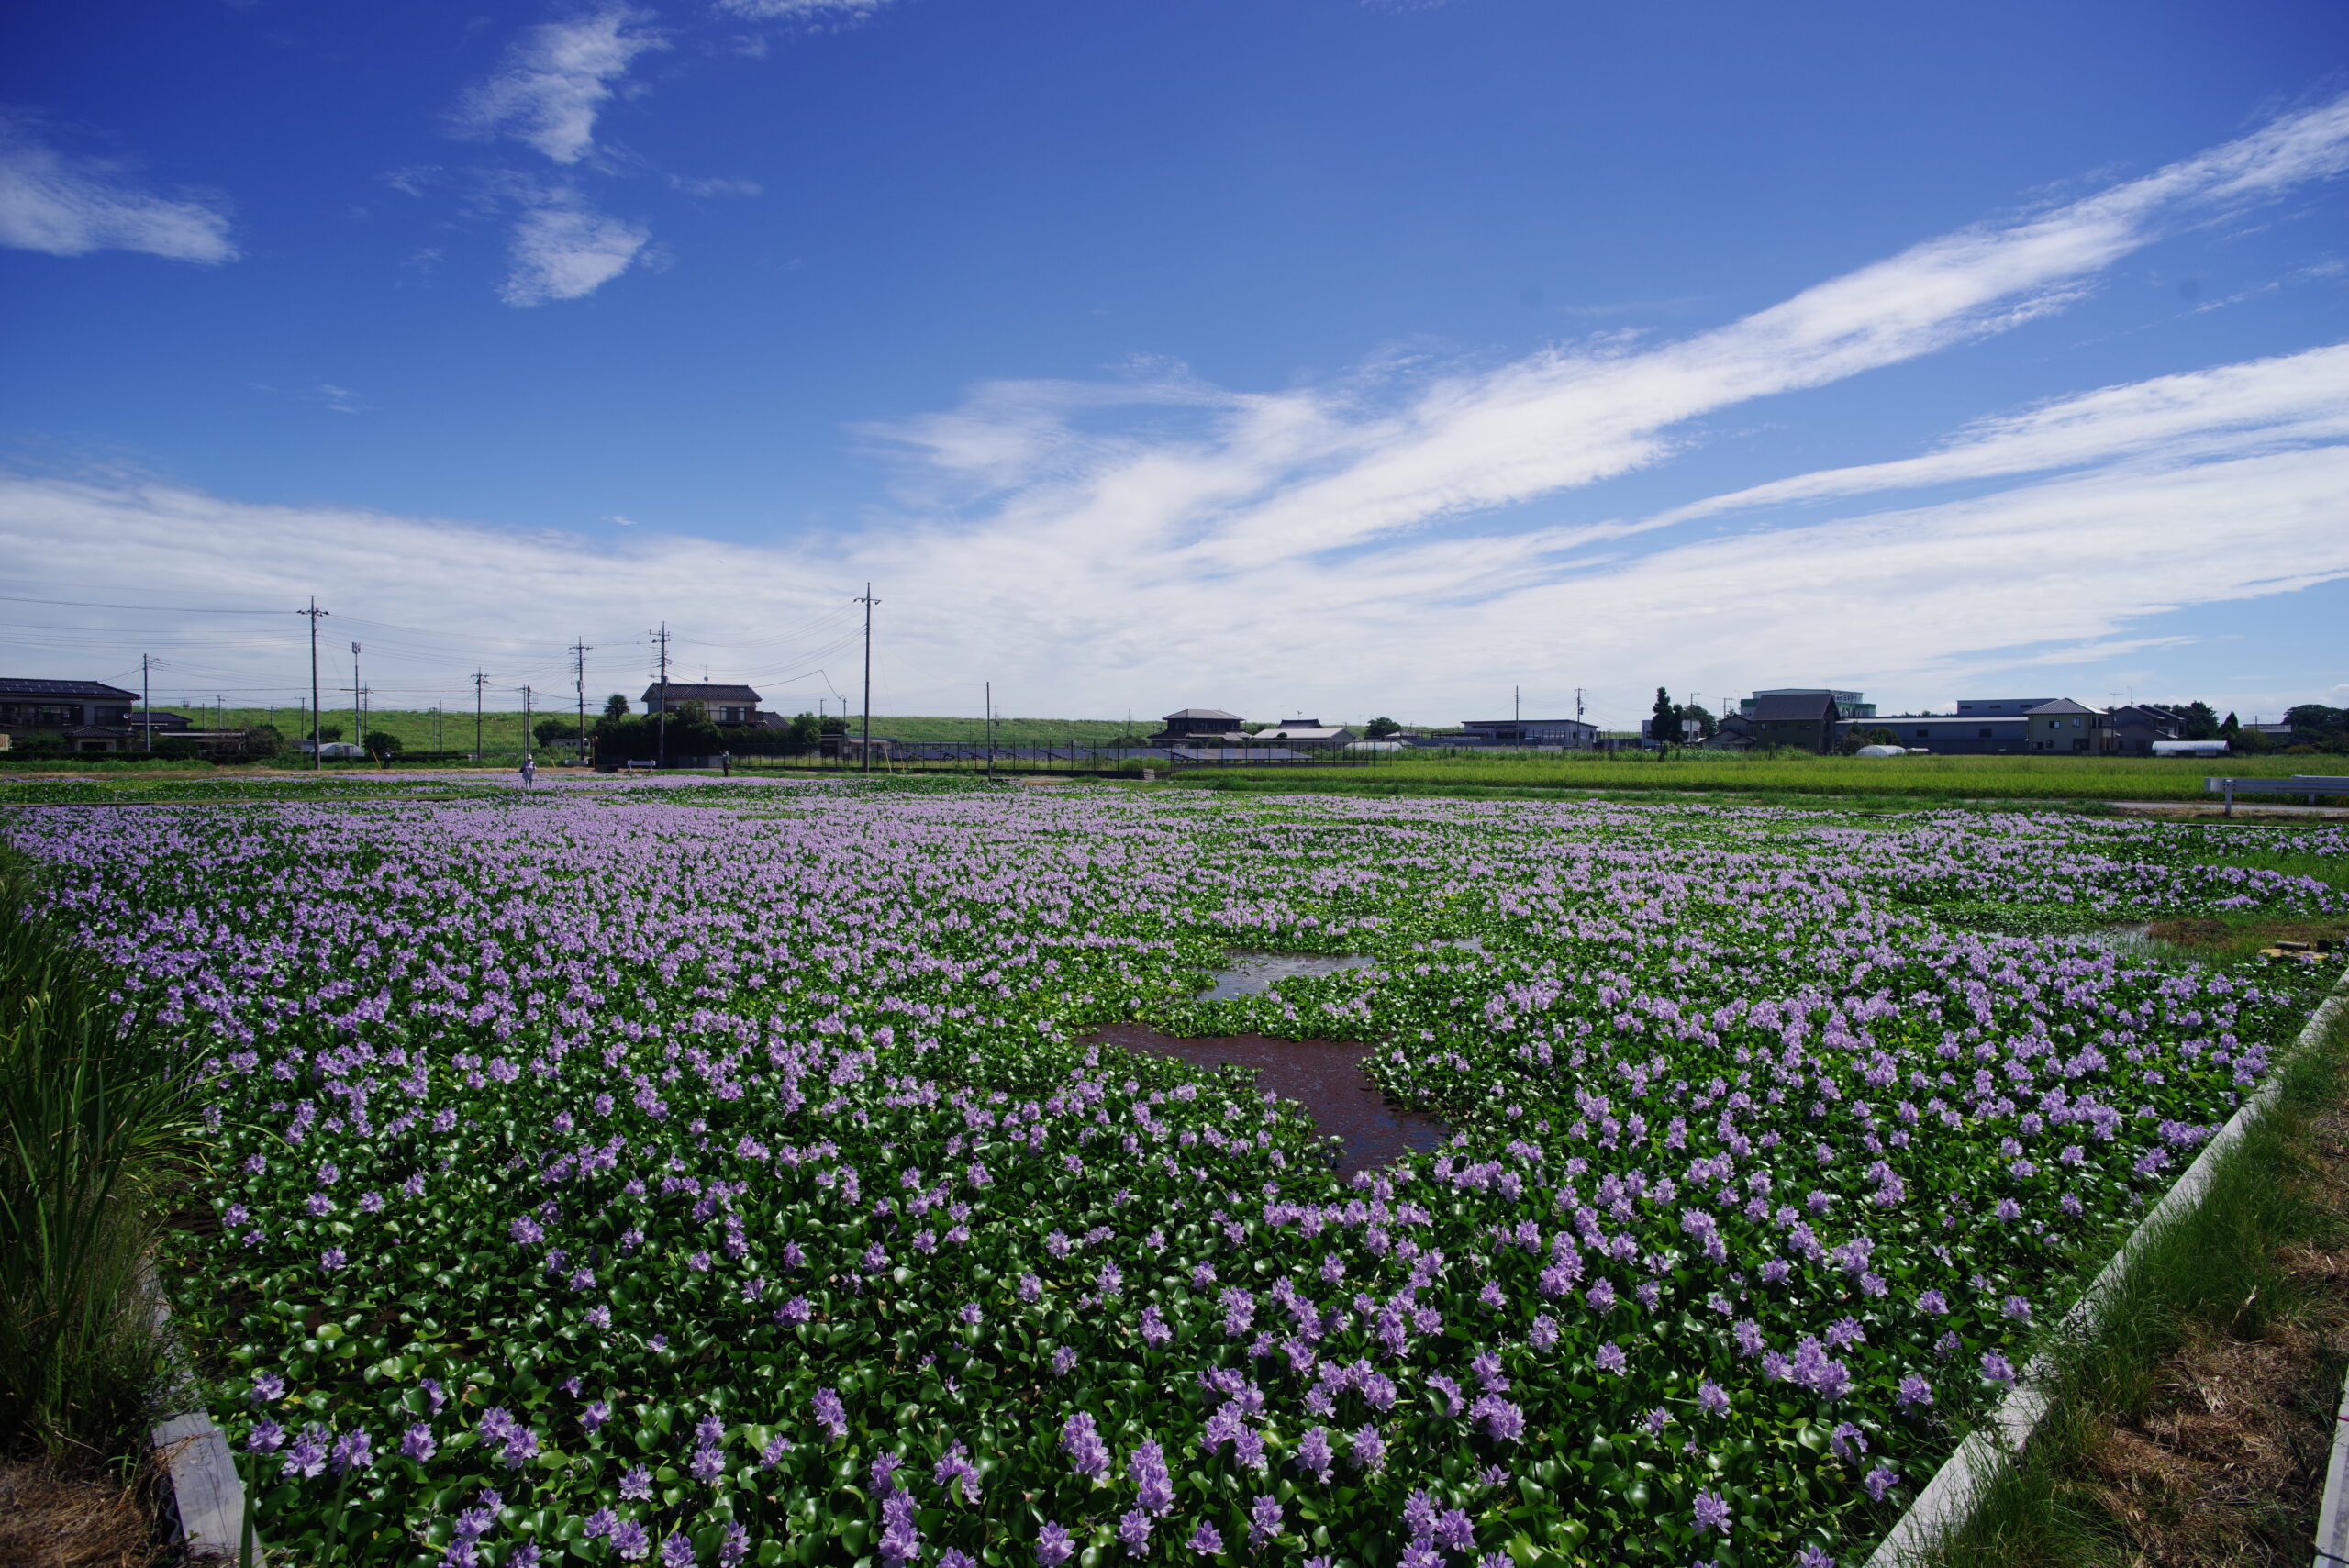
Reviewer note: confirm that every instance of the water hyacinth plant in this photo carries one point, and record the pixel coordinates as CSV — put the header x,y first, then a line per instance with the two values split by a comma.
x,y
722,1174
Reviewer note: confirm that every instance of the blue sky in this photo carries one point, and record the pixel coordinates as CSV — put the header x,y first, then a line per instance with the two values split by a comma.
x,y
1296,356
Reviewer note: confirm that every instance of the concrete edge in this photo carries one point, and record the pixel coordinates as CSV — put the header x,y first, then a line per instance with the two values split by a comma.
x,y
2332,1518
1949,1500
207,1492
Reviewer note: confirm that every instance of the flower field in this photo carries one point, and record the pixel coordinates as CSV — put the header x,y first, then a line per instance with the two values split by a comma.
x,y
709,1174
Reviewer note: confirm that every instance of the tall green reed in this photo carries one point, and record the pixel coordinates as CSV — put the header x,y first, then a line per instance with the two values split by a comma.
x,y
97,1126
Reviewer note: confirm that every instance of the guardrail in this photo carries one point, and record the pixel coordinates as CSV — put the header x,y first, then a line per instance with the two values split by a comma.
x,y
2309,784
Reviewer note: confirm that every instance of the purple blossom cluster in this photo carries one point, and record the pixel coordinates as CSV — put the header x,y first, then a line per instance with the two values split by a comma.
x,y
606,1167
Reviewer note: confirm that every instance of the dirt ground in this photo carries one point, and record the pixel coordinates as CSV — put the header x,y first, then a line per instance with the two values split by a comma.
x,y
51,1519
2225,1466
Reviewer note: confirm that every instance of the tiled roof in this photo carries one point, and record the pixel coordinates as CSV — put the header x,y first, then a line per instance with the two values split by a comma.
x,y
2060,705
678,691
1805,706
1204,713
14,688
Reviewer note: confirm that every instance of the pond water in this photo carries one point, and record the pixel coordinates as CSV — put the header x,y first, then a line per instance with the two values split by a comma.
x,y
1325,1076
1252,973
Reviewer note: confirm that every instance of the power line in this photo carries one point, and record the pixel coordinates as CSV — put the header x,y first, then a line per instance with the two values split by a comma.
x,y
156,609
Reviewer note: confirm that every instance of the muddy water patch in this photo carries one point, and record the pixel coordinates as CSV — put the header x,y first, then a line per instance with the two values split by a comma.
x,y
1254,973
1325,1076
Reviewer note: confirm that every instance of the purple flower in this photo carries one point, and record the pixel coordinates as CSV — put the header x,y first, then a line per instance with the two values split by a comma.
x,y
900,1542
1711,1398
1133,1529
1053,1545
636,1485
266,1437
1146,1468
308,1455
1314,1454
1081,1440
1454,1533
418,1444
1206,1540
1878,1482
1914,1390
831,1414
1502,1421
677,1553
1610,1358
1996,1368
629,1539
881,1474
267,1388
1367,1450
733,1548
353,1450
1265,1520
1712,1512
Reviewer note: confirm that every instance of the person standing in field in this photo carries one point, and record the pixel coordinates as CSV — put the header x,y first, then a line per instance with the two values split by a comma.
x,y
529,769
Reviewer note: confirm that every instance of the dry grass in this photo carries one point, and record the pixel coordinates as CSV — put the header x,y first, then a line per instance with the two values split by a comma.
x,y
2223,1466
51,1517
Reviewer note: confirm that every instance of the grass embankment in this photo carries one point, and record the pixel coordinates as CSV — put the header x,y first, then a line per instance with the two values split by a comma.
x,y
1907,778
421,730
2193,1430
97,1123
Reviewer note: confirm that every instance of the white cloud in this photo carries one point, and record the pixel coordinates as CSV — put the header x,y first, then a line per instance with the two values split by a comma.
x,y
800,10
66,205
564,249
2289,399
1295,476
556,79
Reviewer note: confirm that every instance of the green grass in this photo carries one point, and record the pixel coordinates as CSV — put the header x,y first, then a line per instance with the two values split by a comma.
x,y
96,1119
1903,778
502,731
2216,1270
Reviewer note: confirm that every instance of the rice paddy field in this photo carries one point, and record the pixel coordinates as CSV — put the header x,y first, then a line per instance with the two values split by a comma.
x,y
658,1172
1951,779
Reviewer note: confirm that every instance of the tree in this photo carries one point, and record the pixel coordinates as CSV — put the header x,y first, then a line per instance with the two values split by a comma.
x,y
1664,725
834,725
804,730
616,707
2199,722
550,730
1706,724
382,745
1380,728
330,732
262,741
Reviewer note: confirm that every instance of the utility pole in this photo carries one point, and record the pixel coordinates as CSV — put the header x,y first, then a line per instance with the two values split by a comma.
x,y
313,613
480,681
358,714
527,736
990,729
660,741
579,652
147,704
868,601
1579,693
1517,705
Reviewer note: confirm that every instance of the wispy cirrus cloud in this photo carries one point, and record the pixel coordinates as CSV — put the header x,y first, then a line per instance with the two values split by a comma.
x,y
556,79
1255,479
800,10
562,248
2287,400
67,206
